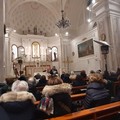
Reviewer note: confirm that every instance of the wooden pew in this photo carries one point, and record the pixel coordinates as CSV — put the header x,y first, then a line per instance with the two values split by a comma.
x,y
78,96
73,97
79,89
115,87
104,112
73,88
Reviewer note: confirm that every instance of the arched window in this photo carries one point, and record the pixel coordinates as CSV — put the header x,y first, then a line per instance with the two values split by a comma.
x,y
21,51
14,54
54,53
35,50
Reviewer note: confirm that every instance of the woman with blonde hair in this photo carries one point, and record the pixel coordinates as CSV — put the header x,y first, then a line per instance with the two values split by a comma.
x,y
96,93
58,93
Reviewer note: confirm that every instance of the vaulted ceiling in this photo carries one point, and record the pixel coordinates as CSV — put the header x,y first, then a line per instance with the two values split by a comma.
x,y
22,15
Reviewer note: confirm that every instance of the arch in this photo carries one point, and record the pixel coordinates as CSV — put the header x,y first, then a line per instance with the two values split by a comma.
x,y
35,50
21,51
54,53
14,52
44,3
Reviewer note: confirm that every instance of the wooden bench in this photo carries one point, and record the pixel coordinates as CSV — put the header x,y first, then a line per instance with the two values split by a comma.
x,y
73,97
115,87
73,88
78,96
79,89
104,112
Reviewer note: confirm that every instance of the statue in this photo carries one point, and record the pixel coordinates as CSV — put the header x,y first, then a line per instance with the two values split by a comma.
x,y
35,30
28,30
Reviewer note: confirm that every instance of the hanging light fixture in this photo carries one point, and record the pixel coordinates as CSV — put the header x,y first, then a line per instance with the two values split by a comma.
x,y
63,23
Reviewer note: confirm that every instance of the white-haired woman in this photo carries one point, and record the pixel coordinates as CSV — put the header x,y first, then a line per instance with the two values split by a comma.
x,y
18,104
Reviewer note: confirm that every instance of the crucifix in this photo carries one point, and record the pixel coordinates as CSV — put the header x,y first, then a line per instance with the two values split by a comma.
x,y
67,62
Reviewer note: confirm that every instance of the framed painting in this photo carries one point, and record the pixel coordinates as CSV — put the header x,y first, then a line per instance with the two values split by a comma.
x,y
85,48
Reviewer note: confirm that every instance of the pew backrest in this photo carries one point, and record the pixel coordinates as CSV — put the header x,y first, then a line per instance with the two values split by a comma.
x,y
97,113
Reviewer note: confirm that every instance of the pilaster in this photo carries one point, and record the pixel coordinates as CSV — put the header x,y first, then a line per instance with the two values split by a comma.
x,y
2,55
108,19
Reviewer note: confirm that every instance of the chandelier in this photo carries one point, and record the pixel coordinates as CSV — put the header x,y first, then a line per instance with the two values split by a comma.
x,y
63,23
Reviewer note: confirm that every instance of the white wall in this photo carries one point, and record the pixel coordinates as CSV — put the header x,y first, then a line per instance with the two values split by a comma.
x,y
91,62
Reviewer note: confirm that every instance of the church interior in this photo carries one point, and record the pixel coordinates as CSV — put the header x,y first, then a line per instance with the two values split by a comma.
x,y
33,33
74,36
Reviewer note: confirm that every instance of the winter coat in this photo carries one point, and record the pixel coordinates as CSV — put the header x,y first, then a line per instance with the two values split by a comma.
x,y
96,95
17,105
61,98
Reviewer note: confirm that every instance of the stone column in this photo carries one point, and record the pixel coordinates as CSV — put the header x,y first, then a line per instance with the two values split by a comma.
x,y
65,54
108,19
2,38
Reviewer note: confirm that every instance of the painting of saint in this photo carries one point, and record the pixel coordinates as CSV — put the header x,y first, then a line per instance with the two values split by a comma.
x,y
85,48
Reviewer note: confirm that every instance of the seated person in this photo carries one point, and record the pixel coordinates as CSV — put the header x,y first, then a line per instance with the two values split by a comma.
x,y
18,104
59,94
79,81
72,76
37,76
42,81
53,71
32,88
96,93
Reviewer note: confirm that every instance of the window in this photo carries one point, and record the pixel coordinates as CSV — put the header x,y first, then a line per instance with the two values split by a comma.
x,y
35,50
14,54
54,53
21,51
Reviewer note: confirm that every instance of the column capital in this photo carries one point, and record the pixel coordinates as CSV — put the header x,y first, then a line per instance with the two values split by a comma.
x,y
106,7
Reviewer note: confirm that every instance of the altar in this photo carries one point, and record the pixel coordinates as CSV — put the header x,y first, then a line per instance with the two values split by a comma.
x,y
32,70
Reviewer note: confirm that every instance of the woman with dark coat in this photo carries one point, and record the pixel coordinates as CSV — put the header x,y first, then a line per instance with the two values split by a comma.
x,y
60,93
96,93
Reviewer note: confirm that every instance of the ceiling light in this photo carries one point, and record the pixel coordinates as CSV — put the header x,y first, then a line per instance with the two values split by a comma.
x,y
89,20
56,35
14,30
93,1
66,34
88,8
63,23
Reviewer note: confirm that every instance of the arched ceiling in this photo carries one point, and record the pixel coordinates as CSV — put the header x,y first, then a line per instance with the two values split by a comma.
x,y
30,15
26,14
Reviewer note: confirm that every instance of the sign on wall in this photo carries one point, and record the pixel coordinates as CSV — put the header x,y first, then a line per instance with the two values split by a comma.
x,y
85,48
